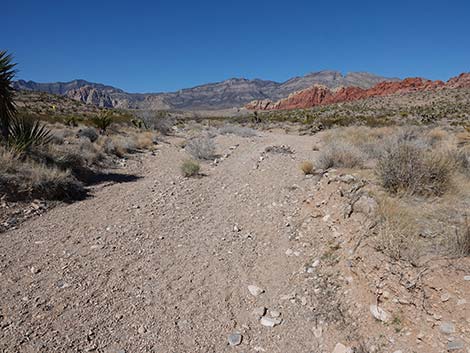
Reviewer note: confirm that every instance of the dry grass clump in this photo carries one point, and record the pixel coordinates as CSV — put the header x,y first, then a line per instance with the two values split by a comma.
x,y
241,131
89,133
23,178
190,168
307,167
202,148
339,155
406,167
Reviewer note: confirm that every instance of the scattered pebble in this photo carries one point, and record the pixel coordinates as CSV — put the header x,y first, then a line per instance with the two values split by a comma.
x,y
447,328
274,313
142,330
270,322
445,297
259,312
455,345
379,313
466,278
34,270
341,348
235,339
255,290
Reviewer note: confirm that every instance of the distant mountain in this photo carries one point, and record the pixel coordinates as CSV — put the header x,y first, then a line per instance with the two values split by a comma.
x,y
321,95
234,92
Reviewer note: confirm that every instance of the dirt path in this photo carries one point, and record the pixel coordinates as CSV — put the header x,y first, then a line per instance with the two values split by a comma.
x,y
162,264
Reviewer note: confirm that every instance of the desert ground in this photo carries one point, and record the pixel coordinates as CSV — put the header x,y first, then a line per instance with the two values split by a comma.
x,y
250,255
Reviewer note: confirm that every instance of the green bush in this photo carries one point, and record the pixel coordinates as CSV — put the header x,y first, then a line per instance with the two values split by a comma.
x,y
190,168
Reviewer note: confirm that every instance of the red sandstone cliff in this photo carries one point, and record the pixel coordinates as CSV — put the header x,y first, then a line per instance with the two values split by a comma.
x,y
321,95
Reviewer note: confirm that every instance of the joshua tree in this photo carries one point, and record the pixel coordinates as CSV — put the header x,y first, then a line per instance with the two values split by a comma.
x,y
7,105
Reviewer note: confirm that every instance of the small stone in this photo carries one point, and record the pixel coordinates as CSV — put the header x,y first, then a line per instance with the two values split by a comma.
x,y
289,252
461,302
379,313
274,313
142,330
34,270
236,228
288,296
466,278
455,345
235,339
341,348
317,332
303,301
259,312
255,290
315,263
270,322
445,297
447,328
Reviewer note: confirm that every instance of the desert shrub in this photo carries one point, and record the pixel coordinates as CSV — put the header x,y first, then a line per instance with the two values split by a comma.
x,y
241,131
26,132
145,140
23,178
190,168
462,160
89,133
201,148
102,121
409,168
307,167
160,121
118,145
339,155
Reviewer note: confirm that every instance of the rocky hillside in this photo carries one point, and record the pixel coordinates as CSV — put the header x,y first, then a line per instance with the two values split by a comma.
x,y
323,95
234,92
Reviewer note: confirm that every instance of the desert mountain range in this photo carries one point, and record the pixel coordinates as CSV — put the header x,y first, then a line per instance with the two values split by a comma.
x,y
234,92
323,95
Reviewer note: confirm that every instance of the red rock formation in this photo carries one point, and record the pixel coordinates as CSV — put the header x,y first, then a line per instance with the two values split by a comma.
x,y
321,95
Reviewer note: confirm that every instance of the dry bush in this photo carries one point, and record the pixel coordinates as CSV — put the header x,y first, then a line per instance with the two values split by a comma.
x,y
145,140
407,167
307,167
437,136
190,168
241,131
340,155
201,148
462,160
89,133
117,145
398,231
22,178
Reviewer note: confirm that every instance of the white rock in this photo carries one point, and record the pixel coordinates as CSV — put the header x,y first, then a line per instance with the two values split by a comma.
x,y
379,313
341,348
274,313
234,339
270,322
259,312
466,278
255,290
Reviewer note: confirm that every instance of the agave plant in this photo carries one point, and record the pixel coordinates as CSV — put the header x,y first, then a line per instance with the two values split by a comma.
x,y
7,105
102,121
25,133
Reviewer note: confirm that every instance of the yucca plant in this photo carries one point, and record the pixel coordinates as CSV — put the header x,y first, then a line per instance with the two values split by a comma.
x,y
139,124
25,133
7,105
102,121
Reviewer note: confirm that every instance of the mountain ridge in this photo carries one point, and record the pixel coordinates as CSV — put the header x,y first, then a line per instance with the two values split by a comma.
x,y
231,93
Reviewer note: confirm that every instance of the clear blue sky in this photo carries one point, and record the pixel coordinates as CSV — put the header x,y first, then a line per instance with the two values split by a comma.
x,y
151,46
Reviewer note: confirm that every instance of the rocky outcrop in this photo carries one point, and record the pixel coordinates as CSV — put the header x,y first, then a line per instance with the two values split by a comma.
x,y
90,95
321,95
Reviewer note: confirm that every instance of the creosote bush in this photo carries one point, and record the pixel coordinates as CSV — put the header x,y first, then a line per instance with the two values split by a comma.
x,y
201,148
407,167
307,167
89,133
190,168
339,155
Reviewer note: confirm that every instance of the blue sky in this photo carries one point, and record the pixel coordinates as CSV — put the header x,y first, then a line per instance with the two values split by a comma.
x,y
152,46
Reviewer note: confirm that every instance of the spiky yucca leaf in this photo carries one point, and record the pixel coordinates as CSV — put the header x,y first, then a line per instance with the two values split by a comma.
x,y
26,132
7,105
102,121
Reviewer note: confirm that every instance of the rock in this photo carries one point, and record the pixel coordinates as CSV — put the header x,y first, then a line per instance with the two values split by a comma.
x,y
461,302
289,252
270,322
447,328
317,332
34,270
466,278
255,290
366,205
340,348
315,263
379,313
141,330
445,297
274,313
287,296
259,311
236,228
235,339
455,345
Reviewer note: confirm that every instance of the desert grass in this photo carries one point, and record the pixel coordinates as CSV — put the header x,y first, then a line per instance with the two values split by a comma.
x,y
307,167
190,168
